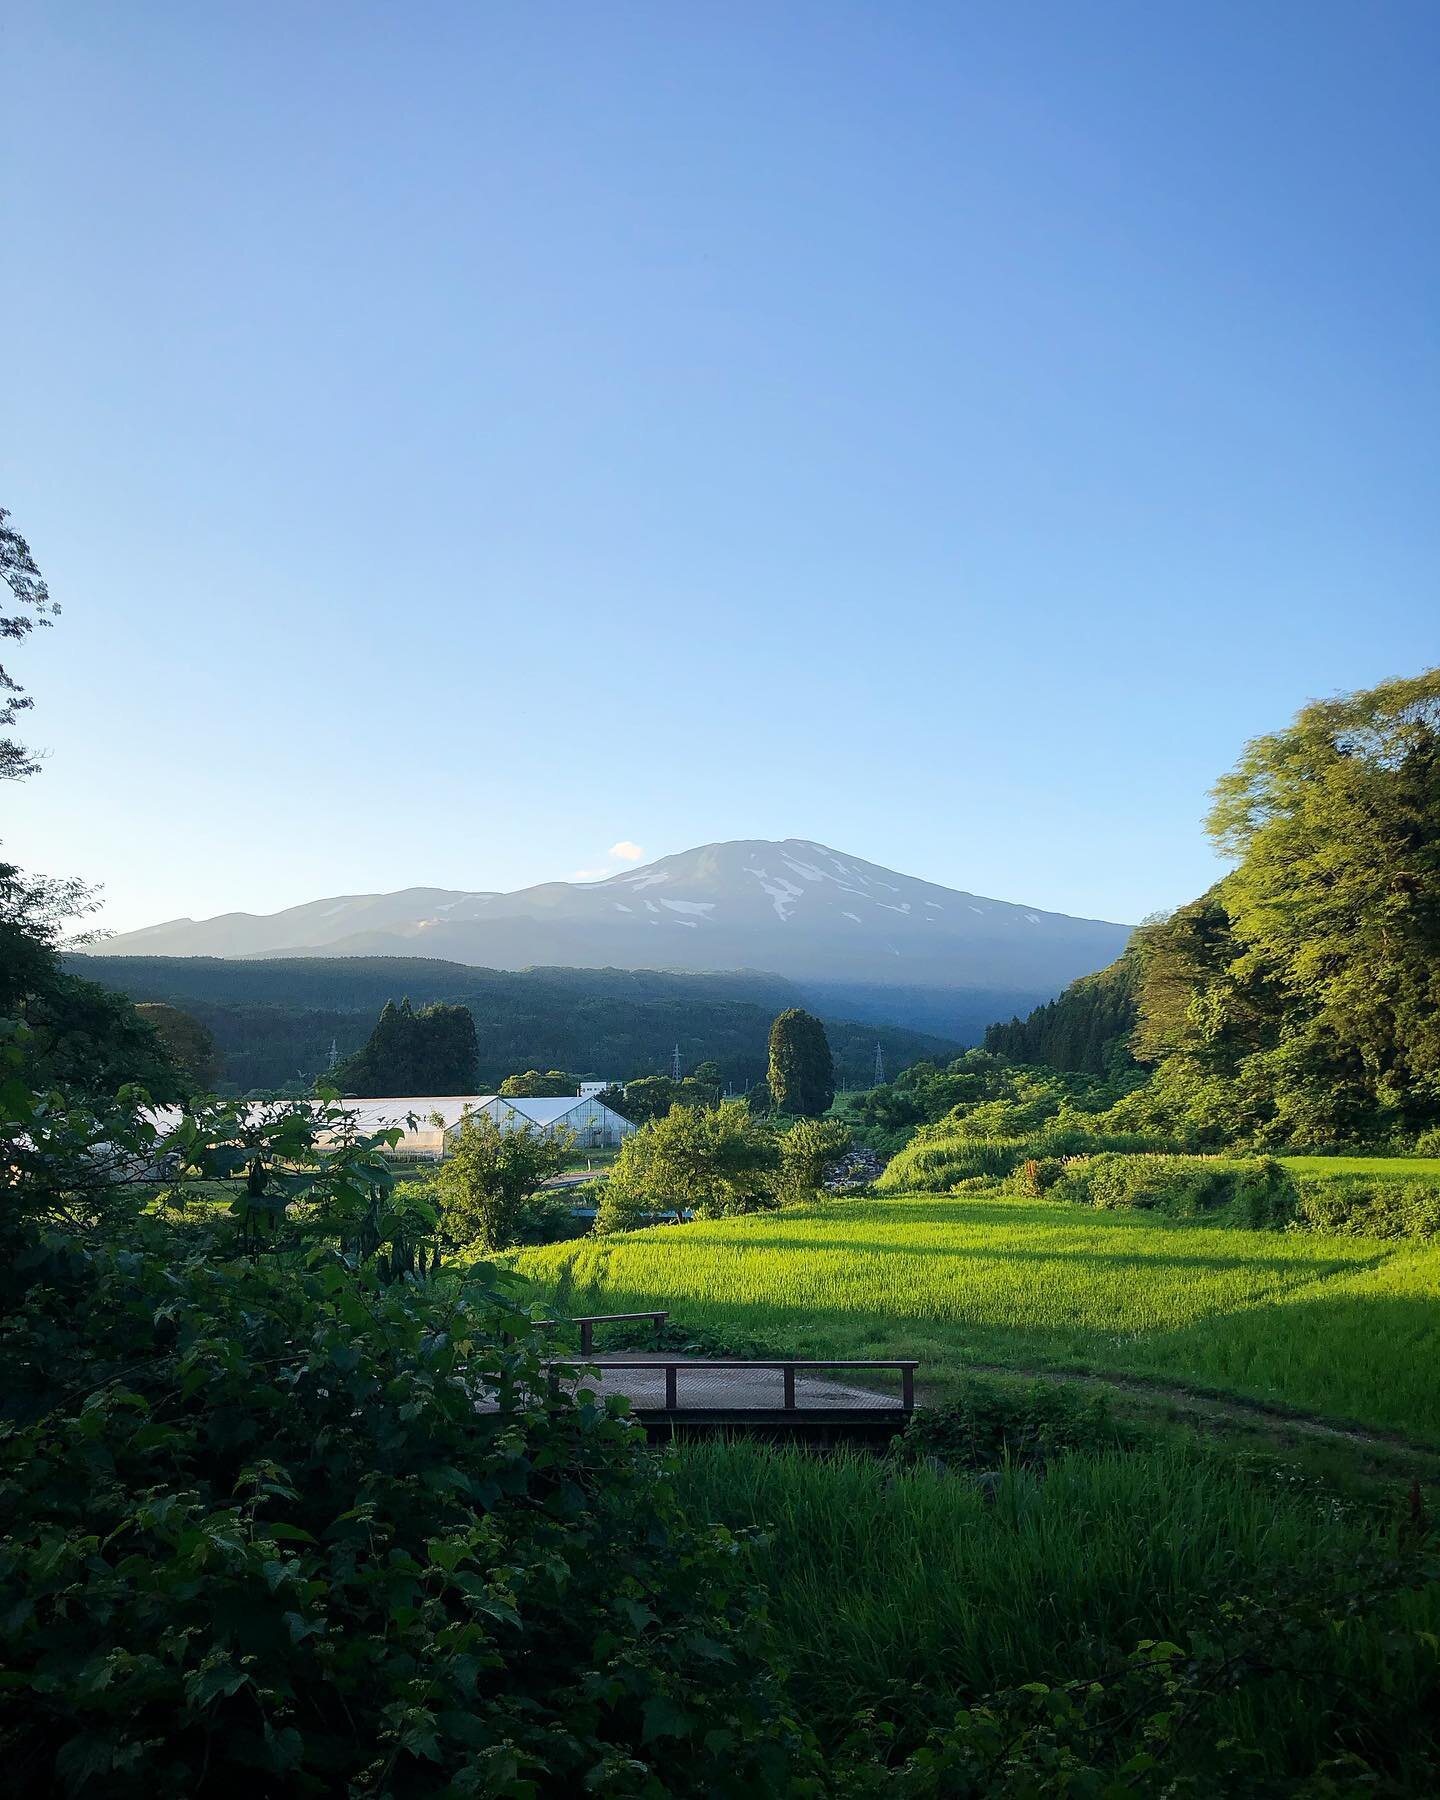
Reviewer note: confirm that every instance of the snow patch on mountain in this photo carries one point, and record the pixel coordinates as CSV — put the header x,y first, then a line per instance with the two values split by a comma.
x,y
783,894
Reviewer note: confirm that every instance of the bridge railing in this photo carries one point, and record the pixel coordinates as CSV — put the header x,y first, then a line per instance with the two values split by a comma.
x,y
588,1321
786,1368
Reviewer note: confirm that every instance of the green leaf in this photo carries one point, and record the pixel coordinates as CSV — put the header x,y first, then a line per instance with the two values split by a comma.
x,y
663,1717
83,1757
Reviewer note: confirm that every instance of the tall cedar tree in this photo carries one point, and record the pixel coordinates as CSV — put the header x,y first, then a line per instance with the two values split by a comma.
x,y
433,1051
802,1071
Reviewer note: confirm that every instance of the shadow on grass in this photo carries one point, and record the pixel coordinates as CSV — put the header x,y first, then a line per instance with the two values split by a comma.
x,y
1303,1268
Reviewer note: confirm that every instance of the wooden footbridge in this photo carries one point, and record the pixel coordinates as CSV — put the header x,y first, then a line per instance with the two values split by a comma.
x,y
672,1394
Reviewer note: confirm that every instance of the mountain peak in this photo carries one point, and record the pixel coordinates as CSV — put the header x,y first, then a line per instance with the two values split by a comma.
x,y
791,905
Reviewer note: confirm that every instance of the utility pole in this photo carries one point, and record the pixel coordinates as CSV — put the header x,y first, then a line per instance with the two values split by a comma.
x,y
675,1064
879,1065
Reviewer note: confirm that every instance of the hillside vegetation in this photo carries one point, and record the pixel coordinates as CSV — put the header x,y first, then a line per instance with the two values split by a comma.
x,y
1297,1002
1087,1028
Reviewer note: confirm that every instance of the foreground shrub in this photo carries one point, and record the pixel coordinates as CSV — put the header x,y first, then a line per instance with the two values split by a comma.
x,y
1122,1622
1365,1206
1146,1724
989,1426
1256,1192
942,1155
264,1539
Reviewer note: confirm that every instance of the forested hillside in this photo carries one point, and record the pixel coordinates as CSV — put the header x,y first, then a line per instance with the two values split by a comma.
x,y
1086,1029
275,1021
1298,1001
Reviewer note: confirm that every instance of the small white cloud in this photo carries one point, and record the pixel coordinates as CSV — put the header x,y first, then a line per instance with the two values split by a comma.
x,y
625,851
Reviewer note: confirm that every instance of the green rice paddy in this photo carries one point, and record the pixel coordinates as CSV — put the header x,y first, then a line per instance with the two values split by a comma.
x,y
1343,1327
908,1590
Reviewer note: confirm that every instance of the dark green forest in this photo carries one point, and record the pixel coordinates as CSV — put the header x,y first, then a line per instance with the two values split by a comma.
x,y
1087,1029
274,1021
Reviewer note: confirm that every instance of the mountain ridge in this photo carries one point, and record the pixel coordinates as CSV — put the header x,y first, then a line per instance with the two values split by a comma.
x,y
792,906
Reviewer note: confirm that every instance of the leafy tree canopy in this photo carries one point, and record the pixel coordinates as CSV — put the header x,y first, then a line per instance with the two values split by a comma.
x,y
807,1150
191,1045
709,1161
488,1176
1299,1001
28,591
77,1033
533,1085
652,1096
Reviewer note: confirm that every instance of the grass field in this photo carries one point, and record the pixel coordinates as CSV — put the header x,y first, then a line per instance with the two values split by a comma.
x,y
906,1590
1346,1328
1385,1168
903,1592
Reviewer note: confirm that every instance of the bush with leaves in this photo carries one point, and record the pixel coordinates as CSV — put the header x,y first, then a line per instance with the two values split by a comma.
x,y
490,1178
807,1150
988,1425
1147,1725
709,1161
272,1532
1369,1206
281,1516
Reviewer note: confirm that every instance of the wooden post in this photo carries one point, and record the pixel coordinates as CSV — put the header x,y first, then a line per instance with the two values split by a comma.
x,y
907,1389
659,1323
671,1400
587,1337
789,1373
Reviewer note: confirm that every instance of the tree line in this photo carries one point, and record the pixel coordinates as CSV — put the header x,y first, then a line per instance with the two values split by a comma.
x,y
274,1022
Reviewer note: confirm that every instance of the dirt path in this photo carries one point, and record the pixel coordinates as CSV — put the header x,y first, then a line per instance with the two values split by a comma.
x,y
1210,1408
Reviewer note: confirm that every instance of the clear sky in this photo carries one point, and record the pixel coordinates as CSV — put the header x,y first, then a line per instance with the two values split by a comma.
x,y
467,436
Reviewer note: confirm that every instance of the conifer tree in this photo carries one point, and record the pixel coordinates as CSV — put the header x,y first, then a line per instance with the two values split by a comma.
x,y
802,1071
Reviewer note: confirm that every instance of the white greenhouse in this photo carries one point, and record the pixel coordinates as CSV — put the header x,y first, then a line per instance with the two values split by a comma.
x,y
595,1126
429,1122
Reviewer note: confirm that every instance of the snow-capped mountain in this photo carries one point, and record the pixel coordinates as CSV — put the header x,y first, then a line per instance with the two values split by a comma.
x,y
792,907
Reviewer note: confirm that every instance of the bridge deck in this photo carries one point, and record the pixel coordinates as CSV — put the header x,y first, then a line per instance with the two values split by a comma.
x,y
745,1387
671,1392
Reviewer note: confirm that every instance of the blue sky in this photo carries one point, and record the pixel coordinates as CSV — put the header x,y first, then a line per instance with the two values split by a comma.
x,y
465,437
